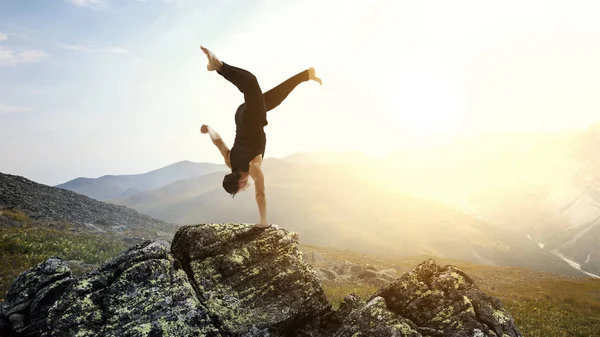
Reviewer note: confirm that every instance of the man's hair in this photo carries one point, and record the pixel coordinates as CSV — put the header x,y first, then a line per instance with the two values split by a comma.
x,y
230,183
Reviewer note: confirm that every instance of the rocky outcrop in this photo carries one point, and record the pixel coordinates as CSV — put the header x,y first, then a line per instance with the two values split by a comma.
x,y
42,202
443,301
238,280
31,295
138,293
252,279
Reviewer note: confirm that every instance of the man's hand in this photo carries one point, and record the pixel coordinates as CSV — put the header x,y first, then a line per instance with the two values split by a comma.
x,y
204,129
313,76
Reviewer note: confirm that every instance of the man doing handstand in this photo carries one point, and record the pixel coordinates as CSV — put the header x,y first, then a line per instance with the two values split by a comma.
x,y
246,156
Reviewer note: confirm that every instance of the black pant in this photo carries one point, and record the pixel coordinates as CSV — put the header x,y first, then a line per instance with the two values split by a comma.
x,y
256,104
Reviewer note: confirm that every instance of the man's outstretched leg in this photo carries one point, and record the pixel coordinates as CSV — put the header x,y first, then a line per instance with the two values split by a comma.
x,y
244,80
275,96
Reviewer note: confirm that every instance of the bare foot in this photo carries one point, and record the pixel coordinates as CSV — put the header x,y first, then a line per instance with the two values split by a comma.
x,y
213,61
313,76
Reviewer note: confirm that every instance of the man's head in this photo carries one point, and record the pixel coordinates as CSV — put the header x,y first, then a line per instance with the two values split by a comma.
x,y
235,182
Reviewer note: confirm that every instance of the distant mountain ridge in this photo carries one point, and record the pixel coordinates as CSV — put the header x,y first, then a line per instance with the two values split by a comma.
x,y
329,205
115,186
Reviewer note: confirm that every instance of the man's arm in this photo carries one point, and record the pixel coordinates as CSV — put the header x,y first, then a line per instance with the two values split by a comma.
x,y
219,143
259,185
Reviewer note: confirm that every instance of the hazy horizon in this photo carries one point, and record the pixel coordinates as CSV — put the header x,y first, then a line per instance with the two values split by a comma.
x,y
120,87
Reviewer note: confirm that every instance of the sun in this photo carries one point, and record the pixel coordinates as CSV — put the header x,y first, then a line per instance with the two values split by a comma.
x,y
424,106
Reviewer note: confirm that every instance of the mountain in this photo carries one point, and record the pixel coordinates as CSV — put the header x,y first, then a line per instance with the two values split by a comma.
x,y
114,186
335,206
42,203
549,193
237,280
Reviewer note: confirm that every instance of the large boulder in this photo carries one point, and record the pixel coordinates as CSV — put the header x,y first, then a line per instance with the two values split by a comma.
x,y
252,279
138,293
32,293
444,301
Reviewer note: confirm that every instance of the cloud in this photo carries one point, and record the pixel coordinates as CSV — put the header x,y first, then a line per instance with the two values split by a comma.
x,y
93,4
92,49
12,57
5,109
177,2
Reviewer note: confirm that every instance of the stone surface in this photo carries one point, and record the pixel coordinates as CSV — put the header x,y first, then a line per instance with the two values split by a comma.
x,y
31,294
375,320
252,278
238,280
138,293
444,301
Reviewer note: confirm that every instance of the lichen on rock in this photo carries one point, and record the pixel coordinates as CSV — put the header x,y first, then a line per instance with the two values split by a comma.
x,y
241,281
444,301
251,278
138,293
30,296
375,320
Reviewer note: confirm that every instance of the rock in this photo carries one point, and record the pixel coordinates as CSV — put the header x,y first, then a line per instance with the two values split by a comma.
x,y
343,269
444,301
350,303
235,280
356,269
31,295
327,274
377,281
8,222
316,257
375,320
387,274
369,267
367,274
137,293
252,278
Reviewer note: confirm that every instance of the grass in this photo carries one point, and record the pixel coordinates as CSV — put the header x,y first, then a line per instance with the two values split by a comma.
x,y
23,247
337,291
542,304
16,215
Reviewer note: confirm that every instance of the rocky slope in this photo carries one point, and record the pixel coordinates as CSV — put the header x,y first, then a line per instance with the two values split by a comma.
x,y
237,280
42,202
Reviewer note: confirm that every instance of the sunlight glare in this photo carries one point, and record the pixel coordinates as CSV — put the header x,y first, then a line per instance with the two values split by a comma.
x,y
425,104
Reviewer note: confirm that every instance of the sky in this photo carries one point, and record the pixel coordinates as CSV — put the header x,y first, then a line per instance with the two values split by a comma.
x,y
95,87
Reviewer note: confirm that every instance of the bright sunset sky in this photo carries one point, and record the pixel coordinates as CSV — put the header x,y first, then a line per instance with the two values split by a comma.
x,y
94,87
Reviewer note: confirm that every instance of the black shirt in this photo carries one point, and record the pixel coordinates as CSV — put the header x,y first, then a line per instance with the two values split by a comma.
x,y
250,138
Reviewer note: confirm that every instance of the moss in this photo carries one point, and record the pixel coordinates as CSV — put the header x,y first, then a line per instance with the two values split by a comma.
x,y
500,316
459,279
239,256
444,315
470,309
404,328
144,329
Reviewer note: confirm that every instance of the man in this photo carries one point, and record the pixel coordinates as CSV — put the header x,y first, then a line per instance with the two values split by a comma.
x,y
246,156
